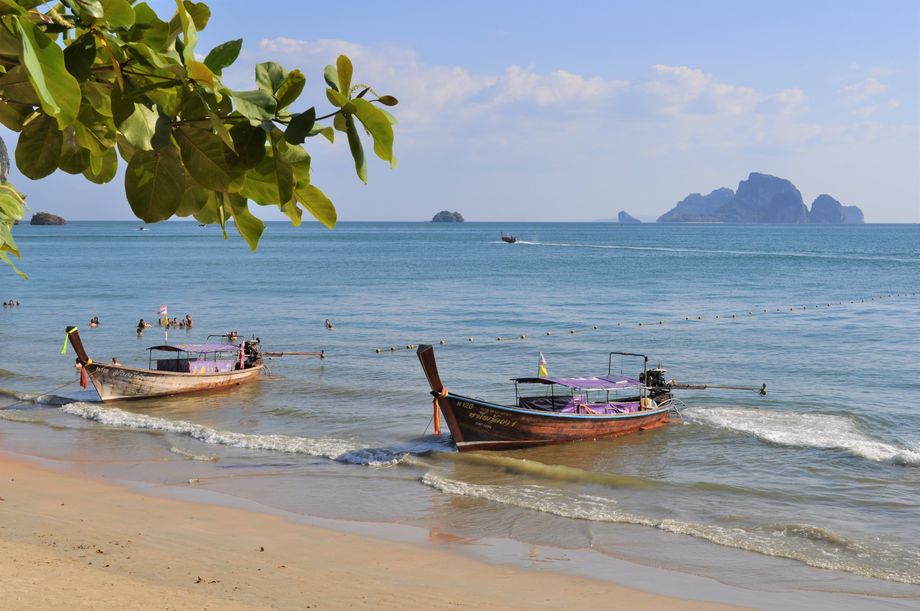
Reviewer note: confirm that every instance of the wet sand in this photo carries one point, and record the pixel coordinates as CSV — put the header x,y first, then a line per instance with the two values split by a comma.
x,y
70,541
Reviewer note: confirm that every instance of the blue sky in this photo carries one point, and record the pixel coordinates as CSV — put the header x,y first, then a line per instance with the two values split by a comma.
x,y
546,111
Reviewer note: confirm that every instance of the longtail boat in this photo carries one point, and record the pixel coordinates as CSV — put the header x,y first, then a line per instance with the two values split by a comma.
x,y
568,409
184,368
507,237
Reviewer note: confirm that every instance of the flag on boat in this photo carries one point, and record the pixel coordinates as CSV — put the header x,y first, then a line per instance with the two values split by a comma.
x,y
541,367
161,311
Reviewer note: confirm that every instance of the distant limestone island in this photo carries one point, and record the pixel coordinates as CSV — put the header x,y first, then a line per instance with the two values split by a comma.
x,y
446,216
625,217
760,199
46,218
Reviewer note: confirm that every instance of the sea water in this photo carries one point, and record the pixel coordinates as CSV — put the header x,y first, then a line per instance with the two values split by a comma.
x,y
815,486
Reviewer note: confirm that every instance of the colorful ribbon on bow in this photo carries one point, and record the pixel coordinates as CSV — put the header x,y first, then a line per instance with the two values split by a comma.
x,y
67,337
437,410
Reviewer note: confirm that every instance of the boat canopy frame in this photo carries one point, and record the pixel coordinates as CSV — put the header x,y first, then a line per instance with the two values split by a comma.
x,y
202,350
612,382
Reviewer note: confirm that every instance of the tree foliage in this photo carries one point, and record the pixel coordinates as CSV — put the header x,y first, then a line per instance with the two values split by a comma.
x,y
89,81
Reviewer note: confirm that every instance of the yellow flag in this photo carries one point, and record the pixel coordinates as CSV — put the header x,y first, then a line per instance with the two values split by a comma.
x,y
541,367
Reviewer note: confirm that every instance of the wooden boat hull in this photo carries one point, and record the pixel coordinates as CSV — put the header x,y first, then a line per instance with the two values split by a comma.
x,y
480,425
116,382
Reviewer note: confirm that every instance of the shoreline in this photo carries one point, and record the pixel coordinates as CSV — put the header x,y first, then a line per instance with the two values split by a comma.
x,y
107,545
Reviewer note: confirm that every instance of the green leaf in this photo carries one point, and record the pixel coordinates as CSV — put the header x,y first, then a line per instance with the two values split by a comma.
x,y
200,72
98,99
290,88
7,243
269,77
249,143
293,212
210,212
193,199
125,149
217,124
223,55
162,133
118,13
344,69
38,150
74,158
86,8
154,182
189,32
318,204
199,12
327,132
11,203
93,137
357,151
102,169
139,127
12,116
79,56
284,173
148,28
247,225
300,126
337,99
388,100
6,259
377,123
301,170
260,184
331,74
204,156
121,104
254,105
43,59
16,85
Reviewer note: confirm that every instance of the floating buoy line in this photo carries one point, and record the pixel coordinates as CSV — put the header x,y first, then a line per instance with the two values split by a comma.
x,y
745,313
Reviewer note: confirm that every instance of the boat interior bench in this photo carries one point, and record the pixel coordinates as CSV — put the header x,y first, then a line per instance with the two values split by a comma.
x,y
196,365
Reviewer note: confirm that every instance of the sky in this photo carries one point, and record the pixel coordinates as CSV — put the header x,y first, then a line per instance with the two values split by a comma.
x,y
549,111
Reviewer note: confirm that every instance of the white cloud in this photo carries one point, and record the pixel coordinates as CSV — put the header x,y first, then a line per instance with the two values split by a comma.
x,y
518,84
868,97
681,90
431,92
424,90
863,90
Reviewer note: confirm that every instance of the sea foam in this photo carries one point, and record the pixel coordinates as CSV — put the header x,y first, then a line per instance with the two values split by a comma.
x,y
811,545
335,449
796,429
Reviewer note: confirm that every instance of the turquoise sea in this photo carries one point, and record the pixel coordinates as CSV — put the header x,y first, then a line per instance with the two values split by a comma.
x,y
813,488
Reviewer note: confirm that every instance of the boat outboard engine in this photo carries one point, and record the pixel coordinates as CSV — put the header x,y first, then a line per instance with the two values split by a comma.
x,y
654,378
253,351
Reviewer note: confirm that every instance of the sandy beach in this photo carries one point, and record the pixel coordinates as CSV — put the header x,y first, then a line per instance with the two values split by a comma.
x,y
70,541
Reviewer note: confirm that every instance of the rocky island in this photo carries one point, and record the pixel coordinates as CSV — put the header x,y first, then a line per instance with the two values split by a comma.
x,y
46,218
760,199
446,216
625,217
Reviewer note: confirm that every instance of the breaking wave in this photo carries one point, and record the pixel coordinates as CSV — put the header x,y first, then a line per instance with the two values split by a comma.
x,y
822,431
811,545
340,450
34,397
